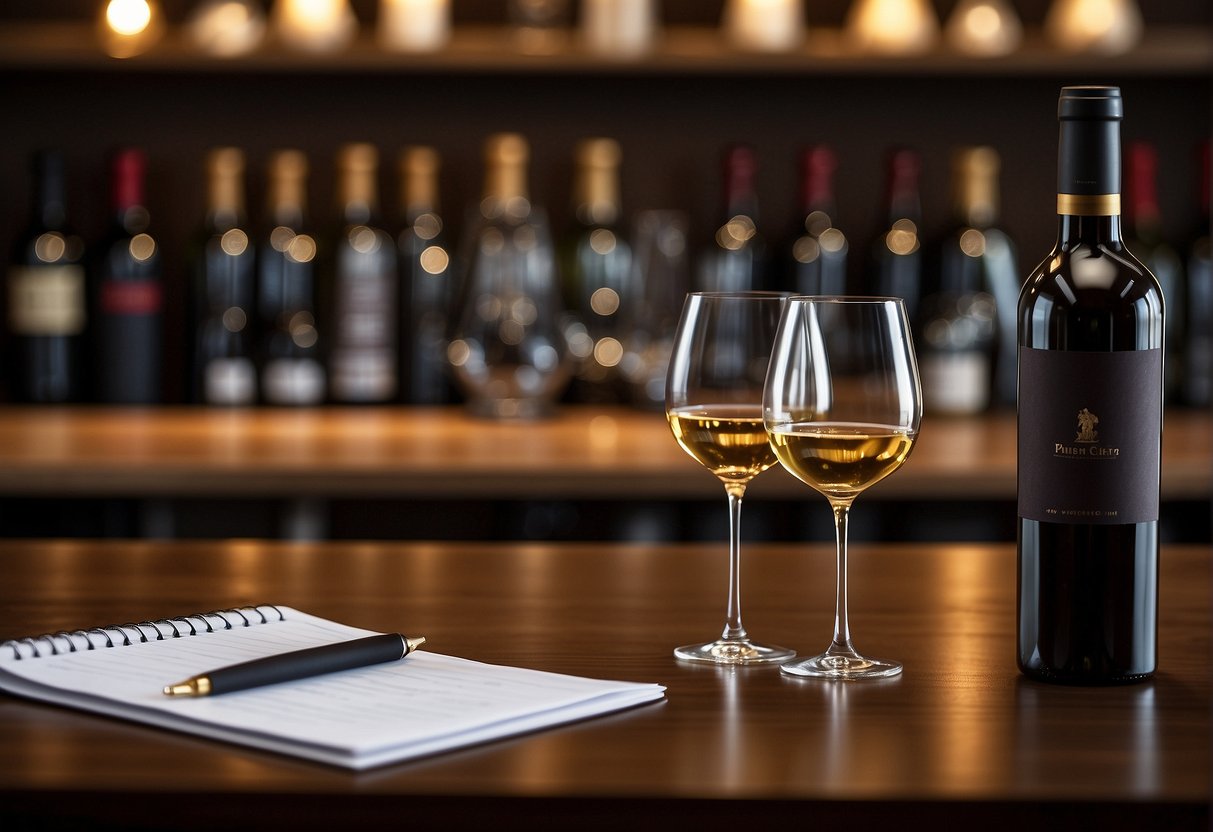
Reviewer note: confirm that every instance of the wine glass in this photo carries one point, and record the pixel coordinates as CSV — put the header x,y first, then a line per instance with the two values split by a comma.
x,y
713,400
842,406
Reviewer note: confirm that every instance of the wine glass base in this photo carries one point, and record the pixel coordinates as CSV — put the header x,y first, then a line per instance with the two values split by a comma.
x,y
834,666
734,651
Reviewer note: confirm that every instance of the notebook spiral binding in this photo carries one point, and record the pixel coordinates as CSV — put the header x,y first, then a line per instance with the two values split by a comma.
x,y
74,641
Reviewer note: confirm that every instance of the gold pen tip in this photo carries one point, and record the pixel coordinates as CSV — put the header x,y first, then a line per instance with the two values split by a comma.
x,y
414,643
179,689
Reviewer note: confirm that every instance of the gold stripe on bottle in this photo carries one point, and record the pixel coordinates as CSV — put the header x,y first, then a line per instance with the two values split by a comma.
x,y
1088,205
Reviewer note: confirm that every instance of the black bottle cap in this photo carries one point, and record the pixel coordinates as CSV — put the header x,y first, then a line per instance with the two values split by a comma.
x,y
1089,103
1088,159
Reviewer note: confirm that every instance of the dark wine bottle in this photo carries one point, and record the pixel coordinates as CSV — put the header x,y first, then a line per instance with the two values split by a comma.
x,y
364,286
895,269
958,344
1146,241
596,269
291,370
1090,419
735,259
223,290
128,294
46,296
819,248
1198,349
427,290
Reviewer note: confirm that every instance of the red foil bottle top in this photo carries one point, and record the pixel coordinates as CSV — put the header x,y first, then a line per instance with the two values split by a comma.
x,y
1142,196
740,172
904,168
818,164
129,165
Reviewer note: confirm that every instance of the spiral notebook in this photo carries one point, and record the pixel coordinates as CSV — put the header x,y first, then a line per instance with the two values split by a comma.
x,y
423,704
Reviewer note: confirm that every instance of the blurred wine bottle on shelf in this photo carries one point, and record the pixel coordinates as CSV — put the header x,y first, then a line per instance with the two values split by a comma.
x,y
818,262
1198,364
292,372
960,327
1145,240
735,259
46,295
660,281
895,268
364,286
221,301
426,282
596,271
508,352
128,294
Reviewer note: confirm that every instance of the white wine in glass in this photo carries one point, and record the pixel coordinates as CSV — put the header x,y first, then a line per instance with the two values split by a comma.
x,y
714,406
842,406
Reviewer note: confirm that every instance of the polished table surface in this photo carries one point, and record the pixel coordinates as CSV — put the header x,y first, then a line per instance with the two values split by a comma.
x,y
959,737
584,452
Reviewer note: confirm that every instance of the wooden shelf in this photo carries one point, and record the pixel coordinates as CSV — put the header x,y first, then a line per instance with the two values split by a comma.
x,y
591,453
689,50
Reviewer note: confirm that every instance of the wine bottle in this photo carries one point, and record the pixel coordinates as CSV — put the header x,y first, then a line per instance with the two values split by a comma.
x,y
223,290
128,294
735,259
1198,352
1090,417
1145,240
508,353
291,369
895,269
46,295
596,263
364,288
960,325
819,249
427,282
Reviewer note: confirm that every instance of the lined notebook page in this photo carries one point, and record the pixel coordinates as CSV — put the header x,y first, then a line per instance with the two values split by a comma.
x,y
420,705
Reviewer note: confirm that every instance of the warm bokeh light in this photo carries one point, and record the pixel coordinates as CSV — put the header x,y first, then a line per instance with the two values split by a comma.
x,y
130,27
315,25
984,28
128,17
227,28
893,27
1104,27
764,25
414,25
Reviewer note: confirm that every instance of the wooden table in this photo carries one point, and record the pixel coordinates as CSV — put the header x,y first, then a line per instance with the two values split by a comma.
x,y
959,739
440,452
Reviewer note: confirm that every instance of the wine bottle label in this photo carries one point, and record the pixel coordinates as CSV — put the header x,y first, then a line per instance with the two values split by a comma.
x,y
955,382
1090,427
46,300
294,381
130,297
363,375
231,381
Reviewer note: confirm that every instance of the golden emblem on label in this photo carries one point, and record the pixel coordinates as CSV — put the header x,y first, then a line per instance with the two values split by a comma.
x,y
1086,427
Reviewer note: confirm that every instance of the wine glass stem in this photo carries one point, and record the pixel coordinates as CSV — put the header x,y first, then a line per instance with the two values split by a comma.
x,y
733,631
842,627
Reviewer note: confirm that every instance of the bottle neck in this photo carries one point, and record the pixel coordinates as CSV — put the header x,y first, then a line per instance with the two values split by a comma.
x,y
740,194
357,195
904,202
50,187
597,195
1075,229
225,201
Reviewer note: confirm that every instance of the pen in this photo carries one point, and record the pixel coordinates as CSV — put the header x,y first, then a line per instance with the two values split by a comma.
x,y
298,664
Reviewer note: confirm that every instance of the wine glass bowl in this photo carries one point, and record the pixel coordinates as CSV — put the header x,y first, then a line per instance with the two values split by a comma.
x,y
714,407
842,406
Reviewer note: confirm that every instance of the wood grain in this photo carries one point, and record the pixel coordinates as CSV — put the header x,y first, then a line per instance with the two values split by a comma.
x,y
441,452
960,736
